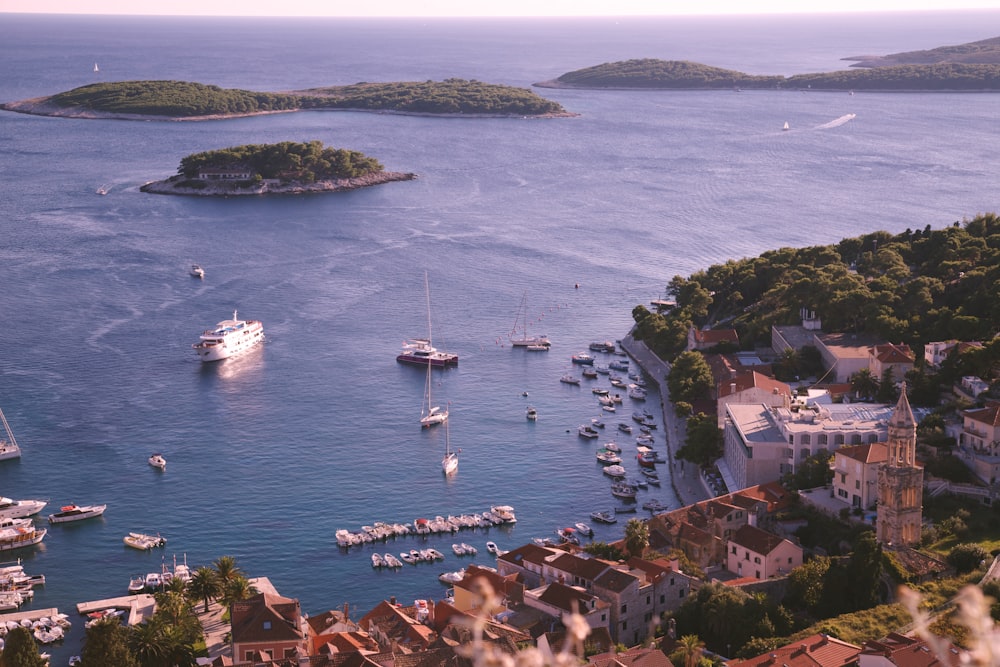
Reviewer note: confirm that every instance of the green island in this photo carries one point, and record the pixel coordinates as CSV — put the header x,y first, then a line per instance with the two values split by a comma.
x,y
284,168
184,100
968,67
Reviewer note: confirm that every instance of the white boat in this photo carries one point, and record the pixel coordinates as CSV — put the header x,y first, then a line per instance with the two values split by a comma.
x,y
588,431
449,464
623,489
19,536
786,128
608,458
196,271
15,509
604,516
96,68
157,461
531,413
493,548
505,513
469,549
616,471
136,584
430,414
452,577
519,334
458,549
636,393
76,513
625,428
144,542
153,581
569,379
420,352
377,561
584,529
9,448
613,447
103,190
391,561
228,338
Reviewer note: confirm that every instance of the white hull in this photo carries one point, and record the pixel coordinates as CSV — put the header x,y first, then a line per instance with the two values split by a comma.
x,y
13,538
85,513
229,338
16,509
449,464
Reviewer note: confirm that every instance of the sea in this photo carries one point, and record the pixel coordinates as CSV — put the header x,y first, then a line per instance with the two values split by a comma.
x,y
582,219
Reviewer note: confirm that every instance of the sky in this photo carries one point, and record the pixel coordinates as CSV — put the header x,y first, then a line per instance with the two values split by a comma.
x,y
437,8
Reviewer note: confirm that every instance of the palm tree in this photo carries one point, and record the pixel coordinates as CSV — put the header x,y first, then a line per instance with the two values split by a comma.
x,y
20,650
864,384
226,570
636,537
238,588
691,648
147,643
204,585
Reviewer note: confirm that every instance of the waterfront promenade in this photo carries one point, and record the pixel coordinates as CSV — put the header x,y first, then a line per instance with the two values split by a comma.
x,y
684,476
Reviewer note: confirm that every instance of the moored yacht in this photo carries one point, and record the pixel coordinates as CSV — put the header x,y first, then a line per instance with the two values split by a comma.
x,y
420,352
76,513
228,338
20,535
13,509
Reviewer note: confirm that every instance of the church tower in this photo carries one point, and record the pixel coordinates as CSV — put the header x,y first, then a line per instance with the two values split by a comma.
x,y
900,481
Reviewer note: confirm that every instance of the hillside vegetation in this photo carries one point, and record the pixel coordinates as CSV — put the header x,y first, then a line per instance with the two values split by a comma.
x,y
289,161
182,99
679,75
913,287
983,52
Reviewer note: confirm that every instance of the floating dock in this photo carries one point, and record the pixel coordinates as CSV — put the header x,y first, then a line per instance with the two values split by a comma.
x,y
139,607
31,615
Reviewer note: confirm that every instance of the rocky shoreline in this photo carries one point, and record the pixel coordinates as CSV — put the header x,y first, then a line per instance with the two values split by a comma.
x,y
174,186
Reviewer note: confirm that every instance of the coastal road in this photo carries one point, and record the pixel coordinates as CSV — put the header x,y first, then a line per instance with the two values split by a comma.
x,y
684,476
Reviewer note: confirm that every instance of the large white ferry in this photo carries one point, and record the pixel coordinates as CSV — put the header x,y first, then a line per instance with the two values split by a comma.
x,y
228,338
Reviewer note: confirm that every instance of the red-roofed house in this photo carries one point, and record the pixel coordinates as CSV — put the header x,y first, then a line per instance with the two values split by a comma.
x,y
703,339
887,356
903,651
268,624
397,629
855,473
756,553
558,599
813,651
752,388
979,442
634,657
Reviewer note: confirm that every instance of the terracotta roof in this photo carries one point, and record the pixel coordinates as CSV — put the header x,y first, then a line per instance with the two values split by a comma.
x,y
567,598
715,336
528,553
813,651
719,509
775,495
751,380
893,354
635,657
584,568
873,452
910,652
756,540
264,618
615,580
693,534
989,415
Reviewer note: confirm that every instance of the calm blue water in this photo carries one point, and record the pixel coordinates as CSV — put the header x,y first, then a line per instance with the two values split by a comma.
x,y
271,453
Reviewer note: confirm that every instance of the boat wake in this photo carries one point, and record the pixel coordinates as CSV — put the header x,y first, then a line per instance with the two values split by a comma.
x,y
837,122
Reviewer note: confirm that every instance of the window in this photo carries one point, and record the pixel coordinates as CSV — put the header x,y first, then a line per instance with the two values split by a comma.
x,y
680,593
290,652
758,574
624,625
604,617
843,478
756,560
789,560
733,551
649,599
624,610
663,598
857,484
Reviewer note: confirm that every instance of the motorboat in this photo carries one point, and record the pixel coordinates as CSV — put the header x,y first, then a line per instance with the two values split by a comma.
x,y
603,346
420,352
625,509
568,535
434,554
505,513
450,578
625,428
654,505
600,391
587,431
196,271
531,413
157,461
537,347
612,447
9,449
619,365
136,584
391,561
469,549
609,408
20,535
569,379
608,458
615,471
623,490
76,513
584,529
604,516
596,422
377,561
15,509
458,549
588,373
153,581
646,460
636,393
229,338
493,548
144,542
638,417
603,369
583,359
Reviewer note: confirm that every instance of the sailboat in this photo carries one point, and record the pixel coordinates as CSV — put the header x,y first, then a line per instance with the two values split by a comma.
x,y
9,448
430,414
524,340
96,68
449,464
786,128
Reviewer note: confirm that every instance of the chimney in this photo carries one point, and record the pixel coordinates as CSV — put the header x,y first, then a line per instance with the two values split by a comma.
x,y
346,609
732,387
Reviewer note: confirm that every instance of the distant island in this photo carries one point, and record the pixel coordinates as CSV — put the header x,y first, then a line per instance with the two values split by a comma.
x,y
968,67
184,100
283,168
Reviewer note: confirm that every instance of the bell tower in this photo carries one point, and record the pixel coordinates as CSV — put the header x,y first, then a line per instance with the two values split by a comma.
x,y
900,481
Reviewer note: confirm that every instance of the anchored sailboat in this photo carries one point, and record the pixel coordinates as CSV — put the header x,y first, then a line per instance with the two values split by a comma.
x,y
430,414
96,68
9,448
449,464
520,337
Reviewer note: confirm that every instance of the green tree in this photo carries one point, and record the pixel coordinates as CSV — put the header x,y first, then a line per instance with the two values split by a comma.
x,y
864,385
226,570
236,589
810,473
106,645
690,378
805,583
887,390
966,557
204,585
147,643
636,537
864,571
604,550
691,648
703,441
20,650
